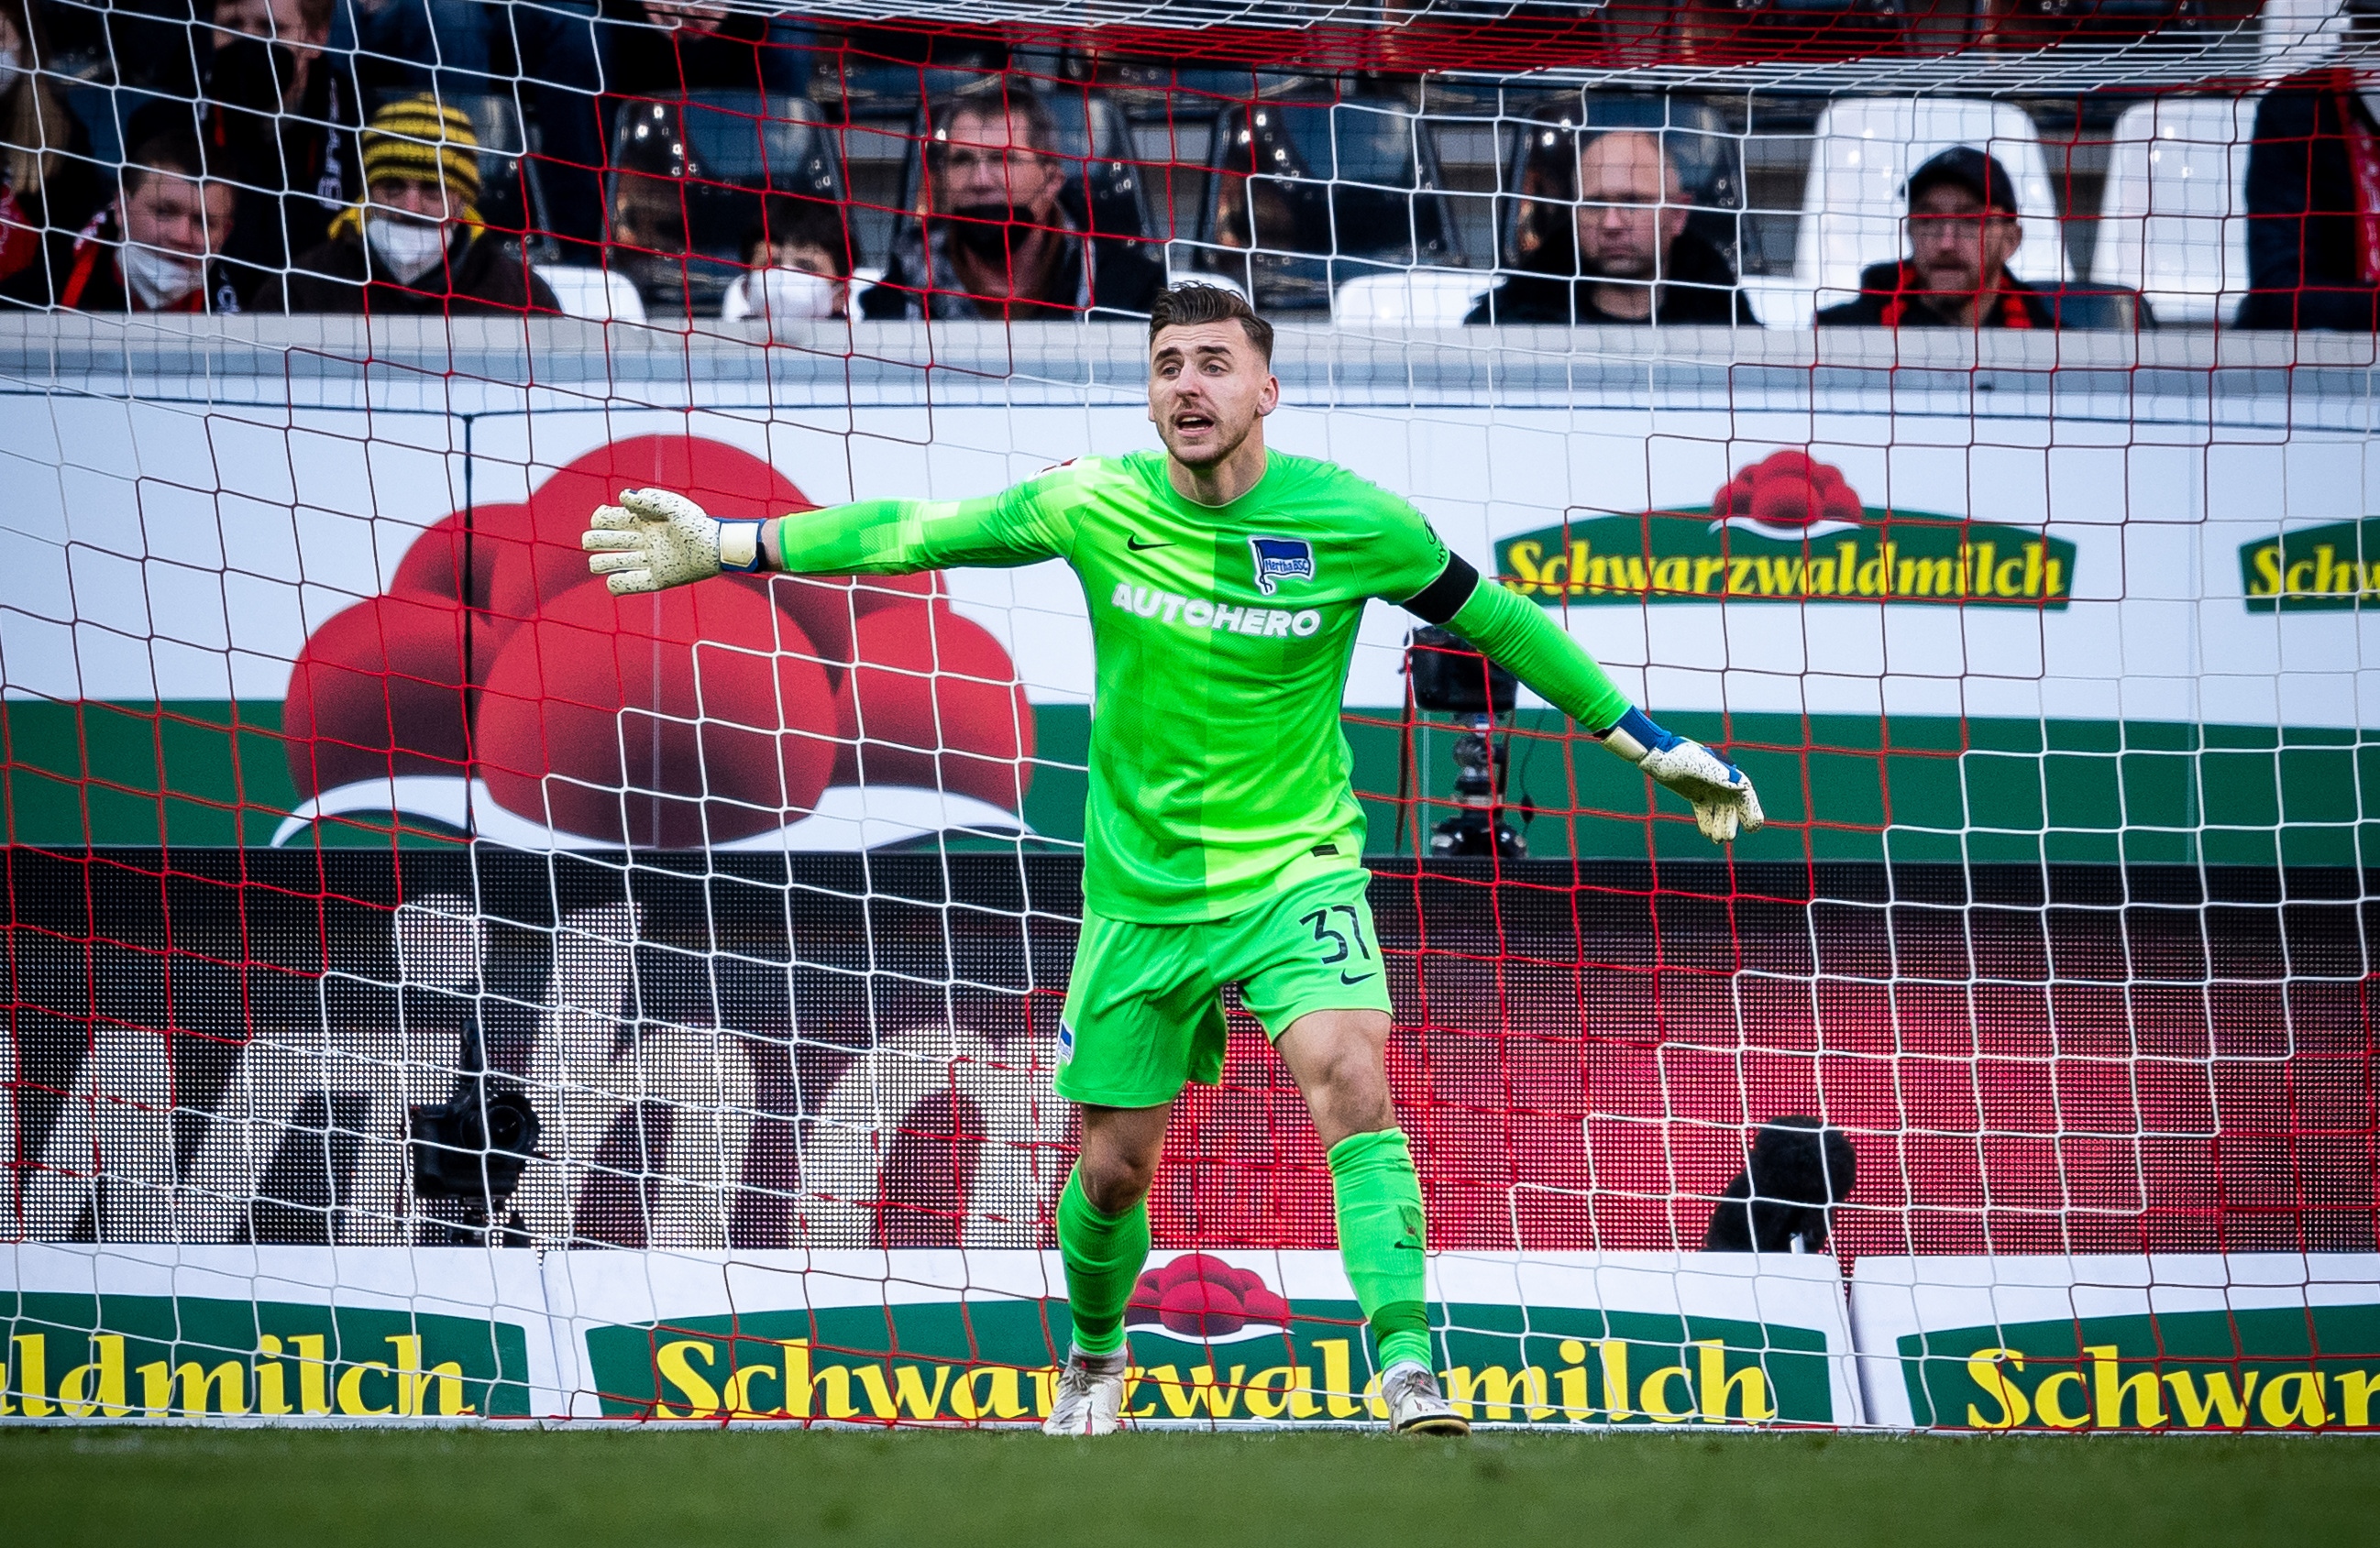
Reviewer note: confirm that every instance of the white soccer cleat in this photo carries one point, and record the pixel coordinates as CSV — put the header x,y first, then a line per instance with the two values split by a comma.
x,y
1090,1394
1416,1406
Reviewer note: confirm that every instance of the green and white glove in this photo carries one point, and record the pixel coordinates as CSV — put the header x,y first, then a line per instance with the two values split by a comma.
x,y
1721,794
654,539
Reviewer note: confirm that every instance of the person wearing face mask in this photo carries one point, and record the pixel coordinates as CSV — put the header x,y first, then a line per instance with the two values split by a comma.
x,y
415,246
45,168
155,249
281,118
2314,195
996,241
800,263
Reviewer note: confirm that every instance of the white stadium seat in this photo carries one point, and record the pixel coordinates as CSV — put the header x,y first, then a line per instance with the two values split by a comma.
x,y
605,295
1414,298
1852,206
2173,224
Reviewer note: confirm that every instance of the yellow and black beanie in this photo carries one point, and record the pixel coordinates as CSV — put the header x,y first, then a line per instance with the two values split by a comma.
x,y
424,139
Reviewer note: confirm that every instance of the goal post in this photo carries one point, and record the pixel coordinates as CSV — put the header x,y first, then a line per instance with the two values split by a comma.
x,y
440,991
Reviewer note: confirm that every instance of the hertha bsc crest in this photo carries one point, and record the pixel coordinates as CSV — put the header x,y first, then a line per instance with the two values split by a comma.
x,y
1280,559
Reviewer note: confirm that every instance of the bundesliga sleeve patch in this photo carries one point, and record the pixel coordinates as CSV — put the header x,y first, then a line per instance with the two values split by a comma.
x,y
1281,559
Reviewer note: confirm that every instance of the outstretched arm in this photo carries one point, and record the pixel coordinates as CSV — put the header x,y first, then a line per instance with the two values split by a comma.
x,y
654,538
1518,634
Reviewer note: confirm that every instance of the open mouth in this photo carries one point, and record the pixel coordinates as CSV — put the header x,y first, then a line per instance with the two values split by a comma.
x,y
1190,424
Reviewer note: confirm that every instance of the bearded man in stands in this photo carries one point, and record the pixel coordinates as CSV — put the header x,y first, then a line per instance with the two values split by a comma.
x,y
1963,231
415,246
996,241
1627,257
155,249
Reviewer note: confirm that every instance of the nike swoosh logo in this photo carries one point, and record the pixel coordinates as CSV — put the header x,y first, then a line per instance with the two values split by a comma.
x,y
1365,979
1410,1246
1133,543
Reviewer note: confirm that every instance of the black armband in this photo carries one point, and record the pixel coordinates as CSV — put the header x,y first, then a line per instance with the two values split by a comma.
x,y
1443,597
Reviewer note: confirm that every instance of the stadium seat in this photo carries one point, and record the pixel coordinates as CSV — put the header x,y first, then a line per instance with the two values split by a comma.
x,y
605,295
1184,264
1305,194
1852,206
689,180
1417,297
2173,222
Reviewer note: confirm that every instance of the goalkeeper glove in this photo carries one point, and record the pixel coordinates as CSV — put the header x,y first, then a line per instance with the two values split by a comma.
x,y
1722,796
654,539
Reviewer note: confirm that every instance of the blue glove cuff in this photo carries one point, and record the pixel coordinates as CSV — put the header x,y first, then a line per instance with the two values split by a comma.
x,y
1639,728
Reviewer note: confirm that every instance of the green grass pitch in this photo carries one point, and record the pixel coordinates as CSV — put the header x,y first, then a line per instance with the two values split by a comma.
x,y
526,1489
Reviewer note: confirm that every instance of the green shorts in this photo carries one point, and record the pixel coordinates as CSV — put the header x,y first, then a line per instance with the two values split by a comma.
x,y
1144,1013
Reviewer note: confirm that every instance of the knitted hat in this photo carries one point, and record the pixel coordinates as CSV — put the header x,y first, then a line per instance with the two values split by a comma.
x,y
424,139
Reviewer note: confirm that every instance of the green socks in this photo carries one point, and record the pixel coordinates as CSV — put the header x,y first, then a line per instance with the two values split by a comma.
x,y
1104,1253
1381,1236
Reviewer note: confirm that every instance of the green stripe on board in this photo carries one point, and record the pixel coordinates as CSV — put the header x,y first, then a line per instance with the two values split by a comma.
x,y
1915,789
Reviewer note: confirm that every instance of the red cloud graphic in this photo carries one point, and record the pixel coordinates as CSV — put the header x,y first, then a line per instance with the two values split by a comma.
x,y
1204,1297
722,710
1787,489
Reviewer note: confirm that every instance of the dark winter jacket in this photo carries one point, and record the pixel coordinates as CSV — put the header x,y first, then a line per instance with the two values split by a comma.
x,y
1698,288
296,171
484,273
921,278
2305,263
1891,298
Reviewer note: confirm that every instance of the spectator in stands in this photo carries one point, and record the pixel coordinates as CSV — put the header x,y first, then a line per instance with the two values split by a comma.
x,y
1963,231
155,249
413,245
800,259
448,48
701,48
45,170
282,112
995,240
1627,256
2313,198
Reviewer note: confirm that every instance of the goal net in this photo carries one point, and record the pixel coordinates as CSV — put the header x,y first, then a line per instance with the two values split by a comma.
x,y
439,988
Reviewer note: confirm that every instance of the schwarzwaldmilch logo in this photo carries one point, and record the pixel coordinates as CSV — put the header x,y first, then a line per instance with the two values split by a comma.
x,y
1199,1297
1788,529
2321,569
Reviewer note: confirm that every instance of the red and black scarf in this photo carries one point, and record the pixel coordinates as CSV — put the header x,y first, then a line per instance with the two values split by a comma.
x,y
2364,170
2011,304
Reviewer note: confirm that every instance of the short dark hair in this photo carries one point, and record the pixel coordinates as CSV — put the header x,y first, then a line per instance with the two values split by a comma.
x,y
174,151
808,221
1187,305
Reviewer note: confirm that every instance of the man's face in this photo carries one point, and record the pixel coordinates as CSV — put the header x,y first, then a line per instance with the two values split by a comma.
x,y
284,21
421,198
1207,387
177,214
686,13
989,159
1958,247
1630,207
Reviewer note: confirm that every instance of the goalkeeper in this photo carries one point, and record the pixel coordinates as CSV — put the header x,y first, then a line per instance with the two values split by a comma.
x,y
1225,845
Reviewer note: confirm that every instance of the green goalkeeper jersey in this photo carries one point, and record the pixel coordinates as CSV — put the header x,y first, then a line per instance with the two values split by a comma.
x,y
1219,771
